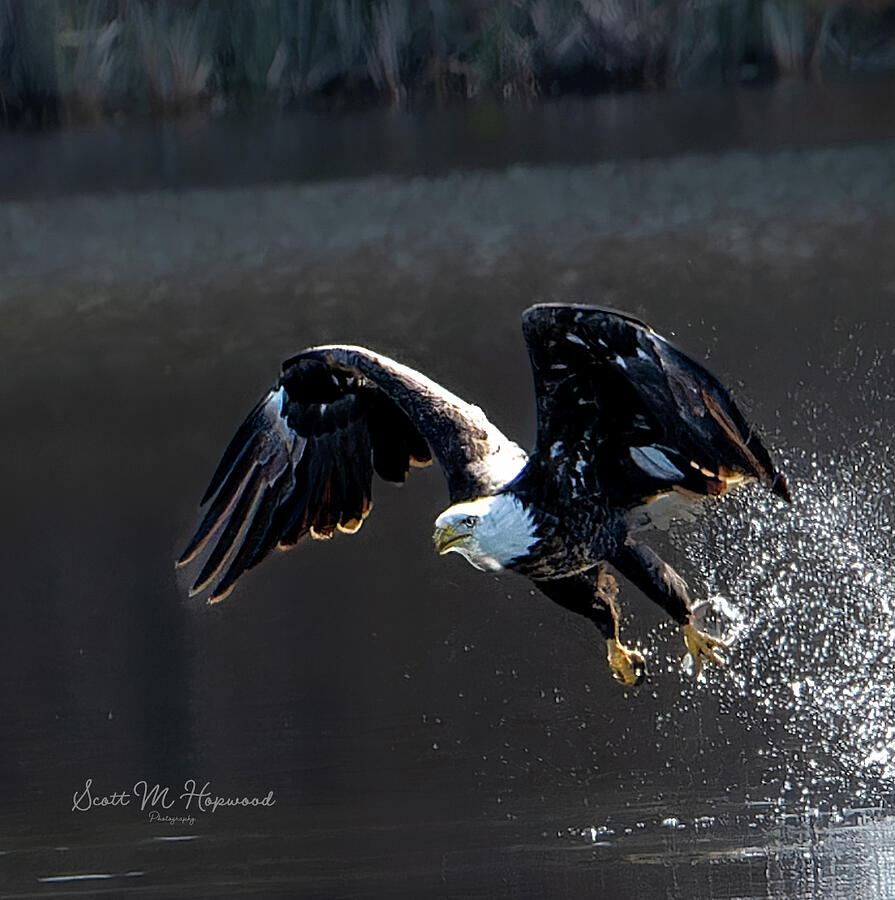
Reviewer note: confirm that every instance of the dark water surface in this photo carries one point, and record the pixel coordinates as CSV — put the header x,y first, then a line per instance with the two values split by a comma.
x,y
427,730
321,147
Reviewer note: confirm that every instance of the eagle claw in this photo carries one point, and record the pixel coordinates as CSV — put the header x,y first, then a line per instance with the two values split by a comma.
x,y
702,647
628,666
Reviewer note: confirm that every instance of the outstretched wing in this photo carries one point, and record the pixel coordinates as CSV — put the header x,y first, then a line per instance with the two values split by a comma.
x,y
303,460
623,412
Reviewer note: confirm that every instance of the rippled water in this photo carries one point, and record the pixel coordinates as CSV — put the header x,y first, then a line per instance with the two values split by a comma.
x,y
427,730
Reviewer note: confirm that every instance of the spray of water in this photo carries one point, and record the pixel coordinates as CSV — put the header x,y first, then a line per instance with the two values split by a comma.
x,y
812,619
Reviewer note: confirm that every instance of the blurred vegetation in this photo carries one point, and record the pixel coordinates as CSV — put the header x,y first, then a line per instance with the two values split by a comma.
x,y
77,60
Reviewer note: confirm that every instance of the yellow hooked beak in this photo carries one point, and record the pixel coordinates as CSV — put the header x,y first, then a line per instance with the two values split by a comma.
x,y
445,538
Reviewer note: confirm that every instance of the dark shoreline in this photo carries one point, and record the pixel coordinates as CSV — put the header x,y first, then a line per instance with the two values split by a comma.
x,y
69,62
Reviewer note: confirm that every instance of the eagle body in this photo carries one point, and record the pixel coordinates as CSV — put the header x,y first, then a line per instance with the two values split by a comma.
x,y
623,420
569,539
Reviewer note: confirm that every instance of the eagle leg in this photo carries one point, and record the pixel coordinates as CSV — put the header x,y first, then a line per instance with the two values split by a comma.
x,y
595,600
648,571
627,665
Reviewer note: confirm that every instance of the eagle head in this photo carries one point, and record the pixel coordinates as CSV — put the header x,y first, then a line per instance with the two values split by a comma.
x,y
489,532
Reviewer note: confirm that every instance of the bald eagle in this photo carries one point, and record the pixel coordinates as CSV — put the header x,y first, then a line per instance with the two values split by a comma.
x,y
623,420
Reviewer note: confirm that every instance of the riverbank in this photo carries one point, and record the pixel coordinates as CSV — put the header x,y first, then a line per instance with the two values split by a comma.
x,y
73,62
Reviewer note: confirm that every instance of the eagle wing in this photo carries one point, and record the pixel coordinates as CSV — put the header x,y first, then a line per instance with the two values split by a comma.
x,y
623,412
302,462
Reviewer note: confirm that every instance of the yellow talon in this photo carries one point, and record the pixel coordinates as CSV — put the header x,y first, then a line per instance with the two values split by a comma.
x,y
701,647
628,666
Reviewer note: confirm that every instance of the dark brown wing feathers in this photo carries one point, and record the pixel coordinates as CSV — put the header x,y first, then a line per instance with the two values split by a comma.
x,y
302,462
639,416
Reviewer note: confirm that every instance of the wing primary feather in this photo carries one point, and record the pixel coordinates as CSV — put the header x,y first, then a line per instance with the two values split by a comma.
x,y
227,496
355,477
237,447
751,447
294,511
252,549
232,534
729,427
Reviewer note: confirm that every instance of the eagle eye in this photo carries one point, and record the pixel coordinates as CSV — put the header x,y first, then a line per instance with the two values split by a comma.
x,y
469,521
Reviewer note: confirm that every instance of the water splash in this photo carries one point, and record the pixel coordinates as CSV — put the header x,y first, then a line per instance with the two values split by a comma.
x,y
815,652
